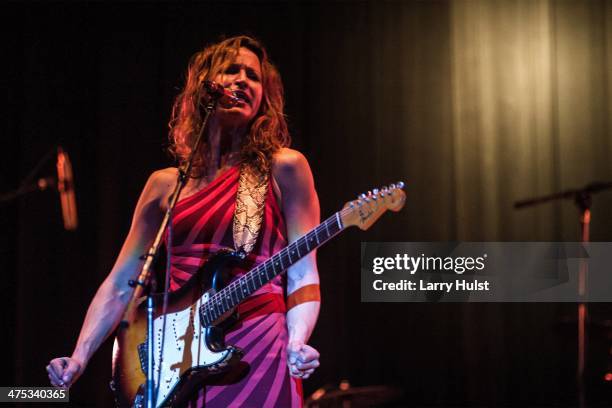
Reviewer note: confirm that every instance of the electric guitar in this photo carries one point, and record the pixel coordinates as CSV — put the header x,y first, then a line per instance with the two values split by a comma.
x,y
199,311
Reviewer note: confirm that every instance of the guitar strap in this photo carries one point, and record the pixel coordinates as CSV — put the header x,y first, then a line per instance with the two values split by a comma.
x,y
250,204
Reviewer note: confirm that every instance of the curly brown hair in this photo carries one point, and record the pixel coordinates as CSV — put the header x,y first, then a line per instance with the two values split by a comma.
x,y
268,130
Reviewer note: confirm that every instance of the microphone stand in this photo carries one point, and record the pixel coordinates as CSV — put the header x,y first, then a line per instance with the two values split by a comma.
x,y
582,199
41,185
144,282
28,185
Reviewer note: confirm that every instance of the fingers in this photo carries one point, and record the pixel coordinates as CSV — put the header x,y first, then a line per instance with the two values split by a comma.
x,y
293,351
63,371
309,353
307,357
71,372
53,378
302,359
295,372
307,365
55,370
307,373
298,351
300,374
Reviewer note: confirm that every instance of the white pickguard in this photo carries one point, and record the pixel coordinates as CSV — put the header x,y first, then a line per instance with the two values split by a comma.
x,y
184,348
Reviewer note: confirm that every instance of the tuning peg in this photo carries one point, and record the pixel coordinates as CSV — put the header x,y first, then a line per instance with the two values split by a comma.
x,y
392,187
400,184
375,191
362,196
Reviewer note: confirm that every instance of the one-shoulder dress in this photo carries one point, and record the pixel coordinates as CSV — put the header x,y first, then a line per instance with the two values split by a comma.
x,y
201,225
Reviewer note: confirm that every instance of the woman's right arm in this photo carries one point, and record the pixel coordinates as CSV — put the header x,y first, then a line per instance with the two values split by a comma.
x,y
110,301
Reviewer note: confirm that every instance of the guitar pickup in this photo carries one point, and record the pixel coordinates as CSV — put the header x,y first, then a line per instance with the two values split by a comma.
x,y
142,356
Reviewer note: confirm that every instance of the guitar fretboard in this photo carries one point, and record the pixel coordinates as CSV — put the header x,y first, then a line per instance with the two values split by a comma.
x,y
230,296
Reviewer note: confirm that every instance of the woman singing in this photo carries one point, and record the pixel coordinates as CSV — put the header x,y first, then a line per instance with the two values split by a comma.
x,y
246,142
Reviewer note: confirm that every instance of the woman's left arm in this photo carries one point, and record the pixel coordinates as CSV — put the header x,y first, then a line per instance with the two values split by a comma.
x,y
300,206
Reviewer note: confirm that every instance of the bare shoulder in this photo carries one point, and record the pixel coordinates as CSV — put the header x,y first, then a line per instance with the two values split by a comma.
x,y
289,165
160,184
165,176
291,171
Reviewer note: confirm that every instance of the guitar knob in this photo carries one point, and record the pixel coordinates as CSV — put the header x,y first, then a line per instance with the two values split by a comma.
x,y
375,191
362,196
400,184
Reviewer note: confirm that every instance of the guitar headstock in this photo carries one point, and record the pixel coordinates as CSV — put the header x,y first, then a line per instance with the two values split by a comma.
x,y
368,207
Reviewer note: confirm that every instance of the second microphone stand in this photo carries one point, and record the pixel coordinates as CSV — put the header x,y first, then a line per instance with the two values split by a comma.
x,y
582,199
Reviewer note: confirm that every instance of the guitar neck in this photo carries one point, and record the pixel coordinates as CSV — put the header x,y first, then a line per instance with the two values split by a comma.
x,y
230,296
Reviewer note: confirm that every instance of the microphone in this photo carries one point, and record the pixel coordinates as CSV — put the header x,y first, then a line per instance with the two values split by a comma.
x,y
65,187
217,91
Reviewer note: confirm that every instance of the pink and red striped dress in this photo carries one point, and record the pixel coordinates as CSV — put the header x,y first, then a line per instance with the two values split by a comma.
x,y
201,225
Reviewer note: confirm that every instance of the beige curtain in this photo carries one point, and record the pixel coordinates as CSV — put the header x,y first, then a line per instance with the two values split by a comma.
x,y
531,114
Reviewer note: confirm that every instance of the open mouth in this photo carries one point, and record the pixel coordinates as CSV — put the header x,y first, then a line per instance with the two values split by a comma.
x,y
241,95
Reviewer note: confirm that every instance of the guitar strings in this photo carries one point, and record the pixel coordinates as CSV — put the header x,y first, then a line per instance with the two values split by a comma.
x,y
218,297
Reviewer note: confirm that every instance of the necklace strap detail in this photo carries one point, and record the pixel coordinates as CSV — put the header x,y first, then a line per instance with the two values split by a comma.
x,y
250,203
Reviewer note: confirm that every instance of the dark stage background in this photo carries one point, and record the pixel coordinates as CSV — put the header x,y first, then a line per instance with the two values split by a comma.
x,y
473,104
